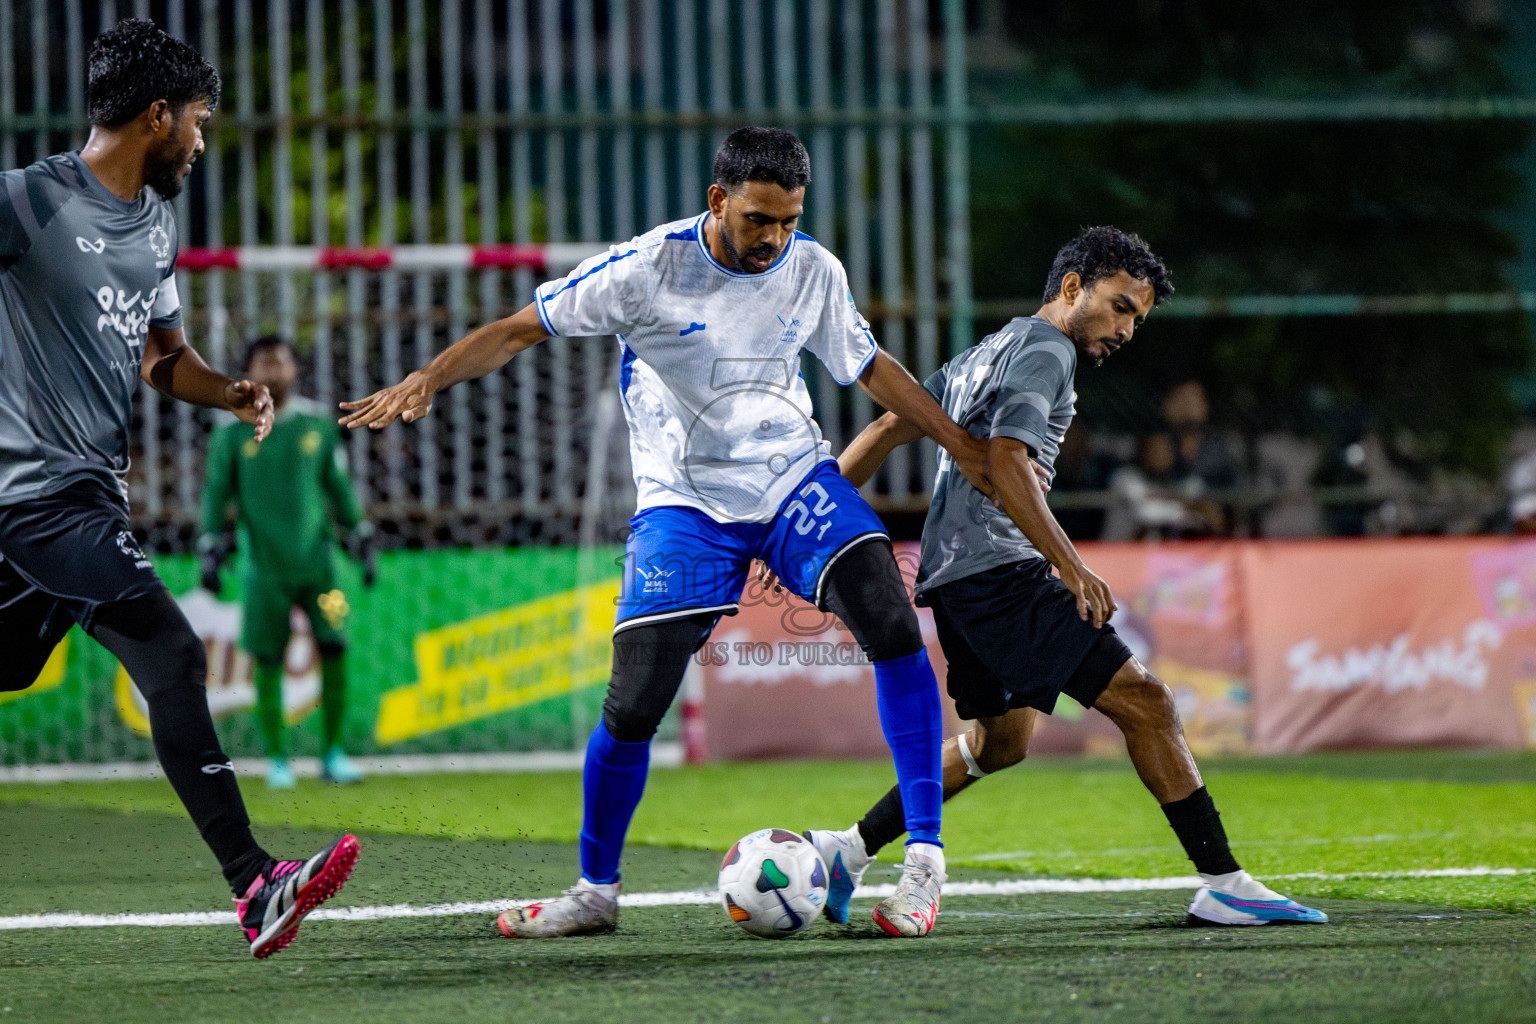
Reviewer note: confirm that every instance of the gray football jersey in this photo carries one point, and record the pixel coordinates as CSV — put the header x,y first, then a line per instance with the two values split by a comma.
x,y
83,277
1016,383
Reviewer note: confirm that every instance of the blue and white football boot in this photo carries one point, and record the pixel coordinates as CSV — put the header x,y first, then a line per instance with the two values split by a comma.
x,y
843,853
1239,898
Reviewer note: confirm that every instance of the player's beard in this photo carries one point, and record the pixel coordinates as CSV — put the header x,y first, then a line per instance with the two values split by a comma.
x,y
162,166
762,252
1079,332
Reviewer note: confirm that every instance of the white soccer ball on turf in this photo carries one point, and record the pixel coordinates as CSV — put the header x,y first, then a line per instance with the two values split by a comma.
x,y
773,883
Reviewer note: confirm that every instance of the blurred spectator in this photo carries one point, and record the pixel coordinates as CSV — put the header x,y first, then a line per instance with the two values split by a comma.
x,y
1168,493
1522,493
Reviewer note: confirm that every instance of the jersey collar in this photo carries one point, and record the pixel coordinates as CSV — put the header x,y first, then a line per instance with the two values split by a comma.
x,y
709,257
96,188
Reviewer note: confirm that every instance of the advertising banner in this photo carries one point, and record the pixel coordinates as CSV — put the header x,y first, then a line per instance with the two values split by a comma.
x,y
1267,646
1406,642
451,651
782,679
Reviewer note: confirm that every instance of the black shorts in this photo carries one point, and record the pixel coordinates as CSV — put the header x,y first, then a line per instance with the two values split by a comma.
x,y
64,555
1013,639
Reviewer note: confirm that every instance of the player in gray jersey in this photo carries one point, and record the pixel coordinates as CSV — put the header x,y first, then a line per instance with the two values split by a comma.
x,y
87,263
1015,636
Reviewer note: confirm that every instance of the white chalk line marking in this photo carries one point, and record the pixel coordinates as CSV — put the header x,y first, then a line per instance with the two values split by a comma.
x,y
693,897
668,755
1247,842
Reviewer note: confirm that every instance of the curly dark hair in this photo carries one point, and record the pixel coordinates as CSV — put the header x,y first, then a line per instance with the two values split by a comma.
x,y
762,154
1103,252
133,64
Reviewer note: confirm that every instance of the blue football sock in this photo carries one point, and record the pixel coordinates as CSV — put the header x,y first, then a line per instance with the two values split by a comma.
x,y
907,695
612,782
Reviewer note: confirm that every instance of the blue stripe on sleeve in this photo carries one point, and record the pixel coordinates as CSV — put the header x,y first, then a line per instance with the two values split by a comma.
x,y
601,266
538,304
873,349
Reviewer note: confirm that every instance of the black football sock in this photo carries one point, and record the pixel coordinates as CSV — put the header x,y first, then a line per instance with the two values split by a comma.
x,y
1197,823
884,823
165,660
203,777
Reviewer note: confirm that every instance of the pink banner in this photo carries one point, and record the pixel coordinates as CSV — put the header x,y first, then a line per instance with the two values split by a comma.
x,y
1392,643
1269,646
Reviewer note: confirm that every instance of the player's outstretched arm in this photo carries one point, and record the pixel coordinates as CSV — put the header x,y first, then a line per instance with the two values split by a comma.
x,y
172,367
893,387
476,354
873,446
1013,473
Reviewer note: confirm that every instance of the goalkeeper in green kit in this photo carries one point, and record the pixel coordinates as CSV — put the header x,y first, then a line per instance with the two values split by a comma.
x,y
289,493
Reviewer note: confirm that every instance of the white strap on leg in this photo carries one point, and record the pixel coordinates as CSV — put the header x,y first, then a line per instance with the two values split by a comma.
x,y
971,767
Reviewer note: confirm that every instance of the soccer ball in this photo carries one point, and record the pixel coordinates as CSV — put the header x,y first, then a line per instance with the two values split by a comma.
x,y
773,883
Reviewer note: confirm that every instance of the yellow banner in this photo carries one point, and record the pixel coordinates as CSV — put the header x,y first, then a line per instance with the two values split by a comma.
x,y
51,675
503,660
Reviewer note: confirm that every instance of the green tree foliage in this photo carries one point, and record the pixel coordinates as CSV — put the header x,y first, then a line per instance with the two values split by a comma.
x,y
1370,207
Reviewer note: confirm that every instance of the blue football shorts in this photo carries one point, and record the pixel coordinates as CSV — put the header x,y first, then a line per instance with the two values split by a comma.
x,y
679,562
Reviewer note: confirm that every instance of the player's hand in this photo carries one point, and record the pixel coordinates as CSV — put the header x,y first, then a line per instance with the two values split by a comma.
x,y
769,579
210,574
1095,603
368,554
971,460
1042,474
409,401
214,548
363,546
252,403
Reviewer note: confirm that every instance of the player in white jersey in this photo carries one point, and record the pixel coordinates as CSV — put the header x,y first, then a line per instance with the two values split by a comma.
x,y
711,314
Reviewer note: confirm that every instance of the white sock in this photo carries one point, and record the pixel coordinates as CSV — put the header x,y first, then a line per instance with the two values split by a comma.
x,y
1241,884
857,839
608,890
928,853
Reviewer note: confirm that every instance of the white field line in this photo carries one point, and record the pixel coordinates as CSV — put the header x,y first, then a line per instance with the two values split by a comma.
x,y
663,755
1247,842
1015,887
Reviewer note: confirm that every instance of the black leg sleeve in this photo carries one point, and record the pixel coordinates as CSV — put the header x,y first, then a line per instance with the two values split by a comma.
x,y
866,591
884,823
166,661
648,666
31,627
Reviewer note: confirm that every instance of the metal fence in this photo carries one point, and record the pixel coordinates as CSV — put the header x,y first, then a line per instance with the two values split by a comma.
x,y
350,122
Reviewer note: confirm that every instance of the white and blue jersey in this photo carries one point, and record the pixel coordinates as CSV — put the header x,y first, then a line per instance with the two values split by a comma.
x,y
728,462
719,416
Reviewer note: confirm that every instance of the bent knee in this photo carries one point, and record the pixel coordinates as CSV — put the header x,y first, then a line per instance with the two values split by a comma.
x,y
1003,743
996,755
1135,697
186,659
629,723
896,636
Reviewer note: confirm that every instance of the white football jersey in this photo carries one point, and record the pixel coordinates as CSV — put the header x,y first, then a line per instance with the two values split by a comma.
x,y
719,416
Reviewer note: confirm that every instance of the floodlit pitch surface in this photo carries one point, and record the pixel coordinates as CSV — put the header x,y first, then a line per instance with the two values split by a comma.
x,y
1403,946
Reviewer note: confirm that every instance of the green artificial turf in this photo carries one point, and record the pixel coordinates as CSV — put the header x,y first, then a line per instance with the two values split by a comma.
x,y
1329,814
1398,949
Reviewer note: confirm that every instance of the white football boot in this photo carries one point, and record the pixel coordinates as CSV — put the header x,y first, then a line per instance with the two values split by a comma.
x,y
586,908
913,910
843,853
1239,898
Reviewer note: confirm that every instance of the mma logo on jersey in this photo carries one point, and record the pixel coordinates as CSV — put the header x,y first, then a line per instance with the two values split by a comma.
x,y
126,314
655,579
98,247
791,333
159,242
130,547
